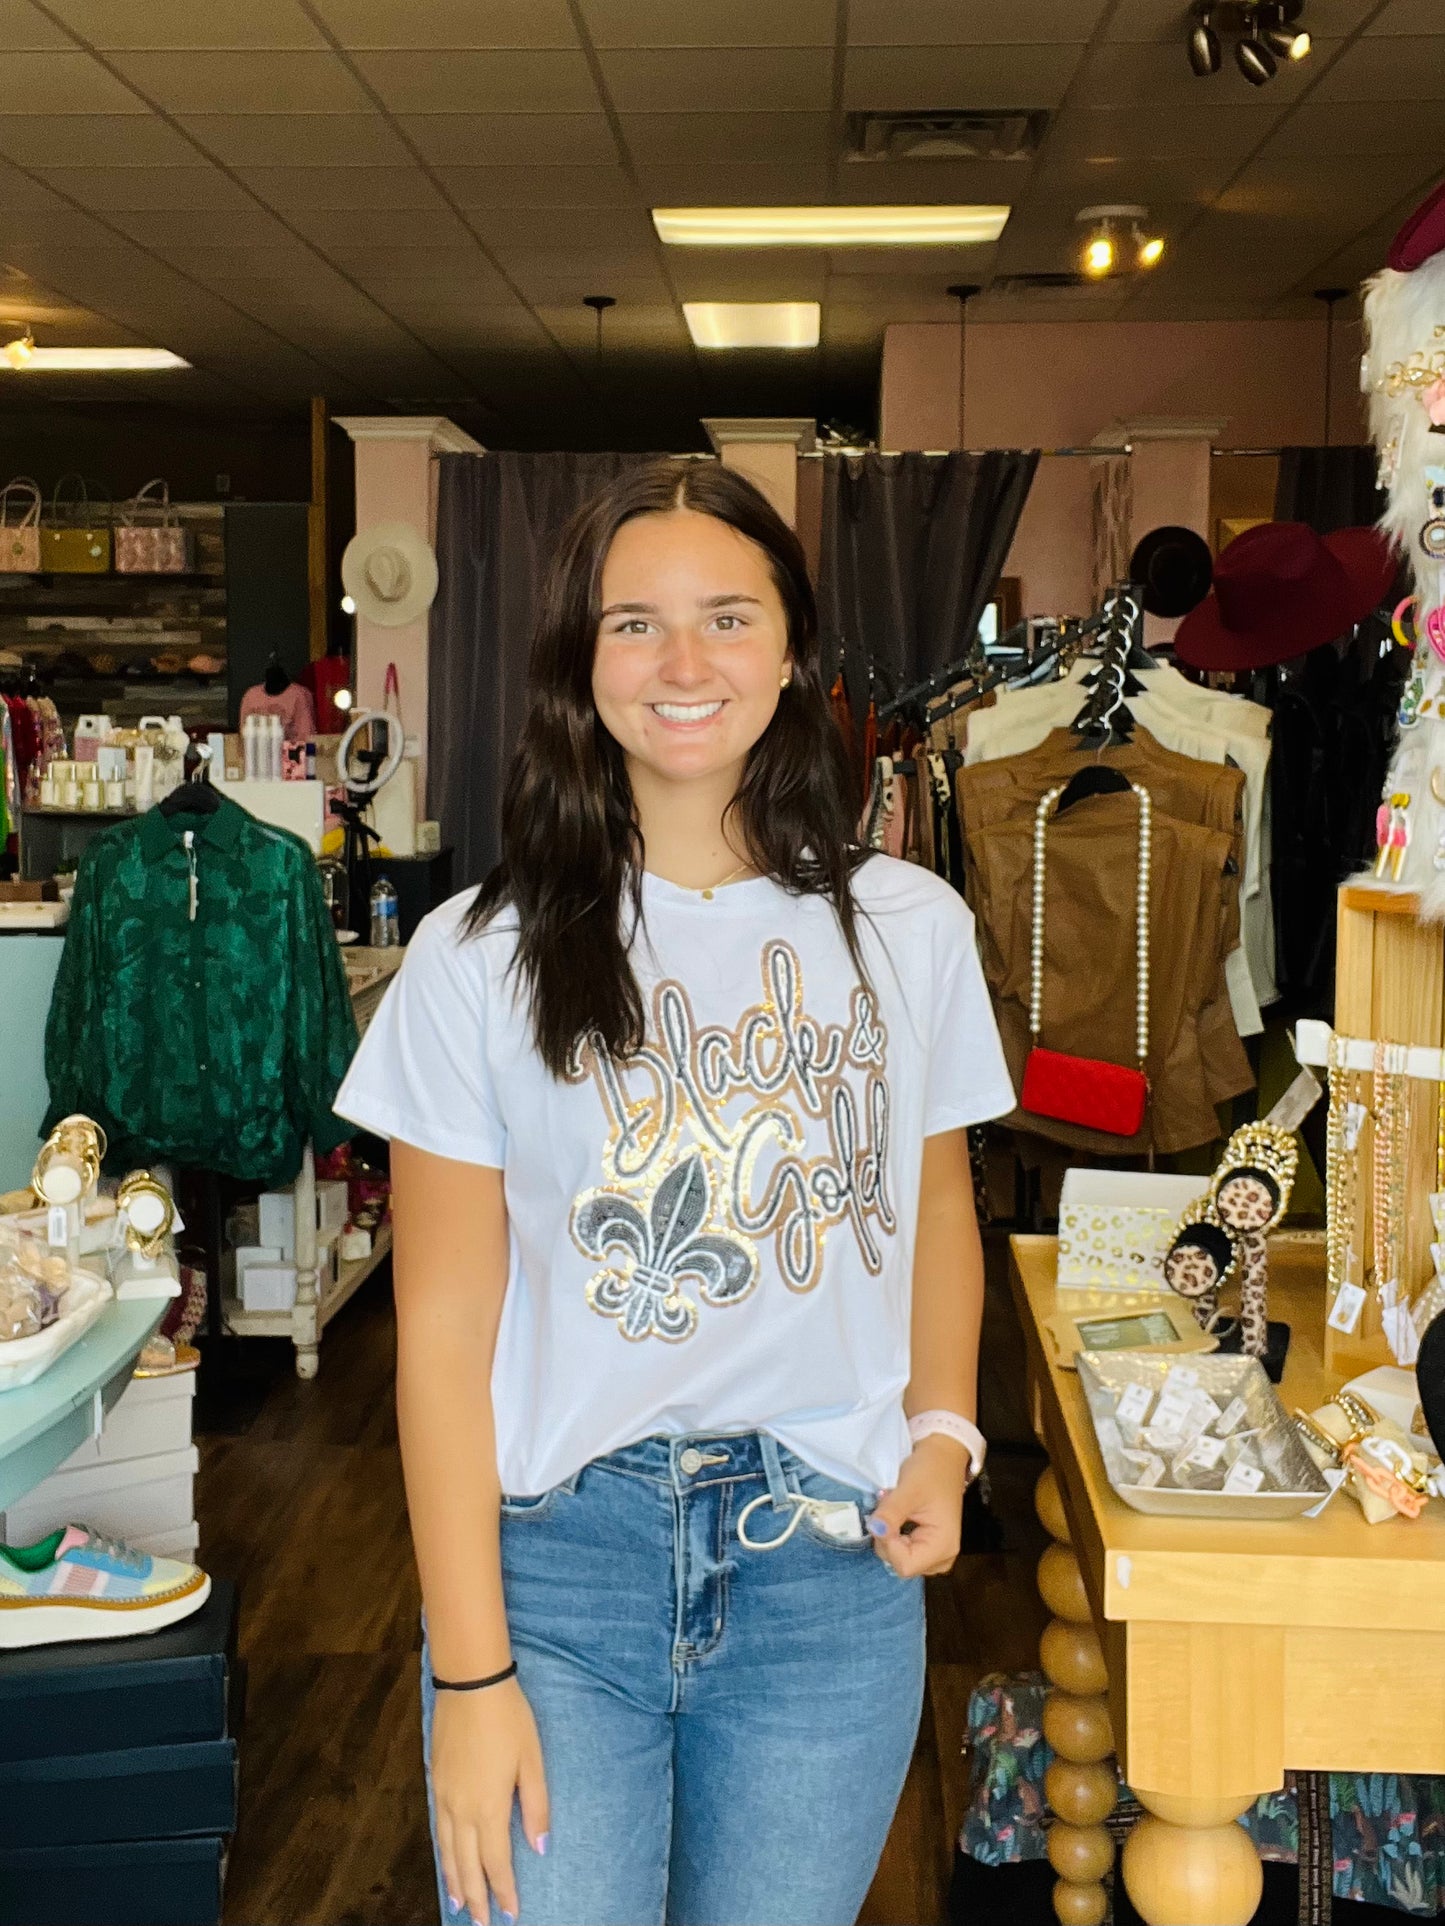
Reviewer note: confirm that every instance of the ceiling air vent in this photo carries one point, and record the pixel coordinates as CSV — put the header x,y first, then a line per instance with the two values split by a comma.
x,y
1013,134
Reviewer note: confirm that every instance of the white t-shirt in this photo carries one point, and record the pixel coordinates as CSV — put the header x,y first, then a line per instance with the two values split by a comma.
x,y
718,1235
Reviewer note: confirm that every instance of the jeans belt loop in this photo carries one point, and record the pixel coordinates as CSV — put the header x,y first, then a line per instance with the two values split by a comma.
x,y
778,1487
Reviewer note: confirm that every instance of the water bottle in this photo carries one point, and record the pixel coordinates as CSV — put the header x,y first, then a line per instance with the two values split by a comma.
x,y
385,915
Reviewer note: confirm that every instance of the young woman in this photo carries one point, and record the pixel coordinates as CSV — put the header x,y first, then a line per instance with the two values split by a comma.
x,y
684,1238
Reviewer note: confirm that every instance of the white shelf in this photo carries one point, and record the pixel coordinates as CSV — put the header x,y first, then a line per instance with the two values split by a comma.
x,y
349,1279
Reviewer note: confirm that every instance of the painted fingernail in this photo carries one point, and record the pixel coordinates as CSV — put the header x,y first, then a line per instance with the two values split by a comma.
x,y
454,1902
878,1527
511,1918
544,1839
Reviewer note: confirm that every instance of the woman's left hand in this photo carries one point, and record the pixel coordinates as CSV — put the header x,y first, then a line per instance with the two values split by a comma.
x,y
929,1497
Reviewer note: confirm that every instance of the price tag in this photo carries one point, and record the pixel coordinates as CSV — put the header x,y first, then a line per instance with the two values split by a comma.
x,y
1133,1406
1355,1115
1182,1377
1243,1478
1231,1417
57,1226
1345,1313
1206,1453
1297,1102
1173,1411
1151,1474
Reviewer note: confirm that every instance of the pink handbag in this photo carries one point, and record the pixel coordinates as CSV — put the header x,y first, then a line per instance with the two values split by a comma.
x,y
20,540
152,548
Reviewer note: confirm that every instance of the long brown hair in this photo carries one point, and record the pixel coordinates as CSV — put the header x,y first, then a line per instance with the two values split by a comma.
x,y
571,845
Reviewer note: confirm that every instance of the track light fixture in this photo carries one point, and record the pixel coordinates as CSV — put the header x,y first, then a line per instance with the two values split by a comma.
x,y
1116,239
1204,52
1264,32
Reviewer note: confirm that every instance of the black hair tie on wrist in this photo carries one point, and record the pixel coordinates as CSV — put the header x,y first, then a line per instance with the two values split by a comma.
x,y
473,1685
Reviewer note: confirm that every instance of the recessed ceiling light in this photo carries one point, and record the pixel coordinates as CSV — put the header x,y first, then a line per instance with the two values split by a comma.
x,y
828,226
754,324
92,360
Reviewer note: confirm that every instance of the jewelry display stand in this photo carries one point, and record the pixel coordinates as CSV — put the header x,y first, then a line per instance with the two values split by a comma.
x,y
1390,988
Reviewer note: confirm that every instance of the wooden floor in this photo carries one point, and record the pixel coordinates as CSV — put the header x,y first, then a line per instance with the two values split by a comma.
x,y
300,1499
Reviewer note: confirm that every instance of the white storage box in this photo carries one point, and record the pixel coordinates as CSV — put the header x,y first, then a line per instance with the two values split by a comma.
x,y
278,1222
151,1415
184,1543
268,1287
332,1210
133,1499
1116,1226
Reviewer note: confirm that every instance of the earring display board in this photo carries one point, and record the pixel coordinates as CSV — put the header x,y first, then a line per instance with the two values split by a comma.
x,y
1389,986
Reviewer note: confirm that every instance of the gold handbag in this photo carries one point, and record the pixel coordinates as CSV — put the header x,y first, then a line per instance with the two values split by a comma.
x,y
75,541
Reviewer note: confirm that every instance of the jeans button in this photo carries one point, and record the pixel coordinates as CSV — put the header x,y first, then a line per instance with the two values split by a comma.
x,y
691,1461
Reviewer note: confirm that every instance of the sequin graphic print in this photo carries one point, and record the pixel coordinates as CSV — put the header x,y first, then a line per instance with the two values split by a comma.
x,y
721,1142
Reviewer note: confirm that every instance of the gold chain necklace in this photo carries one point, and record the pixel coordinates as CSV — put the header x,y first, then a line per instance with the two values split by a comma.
x,y
731,877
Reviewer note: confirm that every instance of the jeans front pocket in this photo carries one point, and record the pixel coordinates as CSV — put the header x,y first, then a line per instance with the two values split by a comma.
x,y
822,1489
544,1502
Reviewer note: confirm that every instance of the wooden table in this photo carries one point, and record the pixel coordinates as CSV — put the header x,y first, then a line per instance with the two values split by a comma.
x,y
1210,1657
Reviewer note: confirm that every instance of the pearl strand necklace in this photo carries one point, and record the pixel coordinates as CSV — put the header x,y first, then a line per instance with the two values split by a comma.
x,y
1141,916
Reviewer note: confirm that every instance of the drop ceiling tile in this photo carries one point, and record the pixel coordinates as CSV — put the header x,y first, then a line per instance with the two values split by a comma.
x,y
746,184
466,82
389,256
1156,77
522,187
1166,22
901,79
372,189
62,83
20,191
1342,131
133,188
166,228
113,24
710,23
245,83
297,140
801,276
449,23
1083,182
23,29
687,80
464,140
944,23
1390,68
1174,133
564,227
54,226
1407,16
723,136
94,140
1347,190
542,263
331,228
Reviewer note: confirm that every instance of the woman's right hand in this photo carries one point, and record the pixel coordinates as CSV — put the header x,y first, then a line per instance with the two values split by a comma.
x,y
484,1748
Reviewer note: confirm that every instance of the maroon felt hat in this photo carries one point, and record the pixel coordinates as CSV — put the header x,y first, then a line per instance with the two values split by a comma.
x,y
1280,590
1422,236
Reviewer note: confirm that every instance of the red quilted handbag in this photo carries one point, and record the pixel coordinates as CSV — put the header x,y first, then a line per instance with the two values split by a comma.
x,y
1086,1090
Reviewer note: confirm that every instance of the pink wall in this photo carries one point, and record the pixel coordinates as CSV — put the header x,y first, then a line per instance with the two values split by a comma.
x,y
1049,384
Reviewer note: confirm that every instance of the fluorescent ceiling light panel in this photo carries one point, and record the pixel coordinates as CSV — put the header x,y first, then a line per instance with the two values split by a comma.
x,y
828,226
96,359
754,324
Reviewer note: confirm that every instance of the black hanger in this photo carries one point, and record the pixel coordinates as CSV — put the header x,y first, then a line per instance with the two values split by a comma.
x,y
276,678
1094,779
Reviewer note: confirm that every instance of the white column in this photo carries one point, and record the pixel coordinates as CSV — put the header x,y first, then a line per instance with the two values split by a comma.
x,y
1169,470
765,449
396,482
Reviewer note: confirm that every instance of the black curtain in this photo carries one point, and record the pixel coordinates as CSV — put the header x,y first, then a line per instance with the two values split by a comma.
x,y
912,549
1329,488
498,520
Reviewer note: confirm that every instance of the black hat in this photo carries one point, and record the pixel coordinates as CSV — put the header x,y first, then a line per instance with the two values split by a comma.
x,y
1174,568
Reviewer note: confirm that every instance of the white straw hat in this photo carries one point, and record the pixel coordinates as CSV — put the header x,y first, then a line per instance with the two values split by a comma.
x,y
390,573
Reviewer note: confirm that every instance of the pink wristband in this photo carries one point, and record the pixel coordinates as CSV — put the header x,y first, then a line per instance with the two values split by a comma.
x,y
953,1425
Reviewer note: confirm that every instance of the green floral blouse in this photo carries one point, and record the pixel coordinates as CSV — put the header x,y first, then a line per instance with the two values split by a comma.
x,y
216,1039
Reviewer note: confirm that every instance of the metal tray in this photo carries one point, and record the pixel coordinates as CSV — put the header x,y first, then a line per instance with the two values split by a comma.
x,y
1297,1481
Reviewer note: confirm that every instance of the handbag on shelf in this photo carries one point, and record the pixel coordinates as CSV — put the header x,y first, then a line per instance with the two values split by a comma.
x,y
152,548
1088,1091
20,540
78,547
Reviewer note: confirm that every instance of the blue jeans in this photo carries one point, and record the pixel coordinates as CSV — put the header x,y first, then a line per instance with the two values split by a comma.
x,y
725,1731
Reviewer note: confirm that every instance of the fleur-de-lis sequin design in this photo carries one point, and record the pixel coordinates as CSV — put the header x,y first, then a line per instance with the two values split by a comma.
x,y
653,1254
